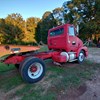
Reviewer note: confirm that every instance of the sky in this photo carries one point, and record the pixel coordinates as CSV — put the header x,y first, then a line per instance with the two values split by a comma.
x,y
28,8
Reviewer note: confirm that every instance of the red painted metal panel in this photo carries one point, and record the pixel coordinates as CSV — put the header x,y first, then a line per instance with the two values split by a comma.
x,y
14,60
58,41
59,58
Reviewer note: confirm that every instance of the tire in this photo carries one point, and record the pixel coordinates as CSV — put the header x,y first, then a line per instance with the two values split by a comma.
x,y
81,57
32,69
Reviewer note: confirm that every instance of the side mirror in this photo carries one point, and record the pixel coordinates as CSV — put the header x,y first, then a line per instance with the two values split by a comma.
x,y
77,30
76,34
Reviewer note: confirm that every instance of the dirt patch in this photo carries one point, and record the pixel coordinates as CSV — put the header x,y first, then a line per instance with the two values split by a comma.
x,y
11,94
73,93
90,90
94,55
2,95
93,89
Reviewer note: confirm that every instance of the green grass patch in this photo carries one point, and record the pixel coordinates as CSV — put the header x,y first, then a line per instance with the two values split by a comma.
x,y
5,68
11,82
43,48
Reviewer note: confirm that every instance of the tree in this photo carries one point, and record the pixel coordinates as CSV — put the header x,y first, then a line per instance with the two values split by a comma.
x,y
30,26
58,15
2,25
16,20
97,16
85,13
92,23
44,25
38,36
14,28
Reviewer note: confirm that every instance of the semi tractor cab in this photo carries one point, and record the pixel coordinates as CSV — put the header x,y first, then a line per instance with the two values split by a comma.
x,y
63,38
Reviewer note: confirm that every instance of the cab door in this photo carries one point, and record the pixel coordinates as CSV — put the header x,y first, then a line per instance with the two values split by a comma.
x,y
73,40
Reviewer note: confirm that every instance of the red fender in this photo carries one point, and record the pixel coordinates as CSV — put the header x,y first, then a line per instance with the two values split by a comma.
x,y
85,49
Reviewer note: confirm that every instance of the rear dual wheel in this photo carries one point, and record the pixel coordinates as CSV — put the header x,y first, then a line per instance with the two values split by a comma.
x,y
32,69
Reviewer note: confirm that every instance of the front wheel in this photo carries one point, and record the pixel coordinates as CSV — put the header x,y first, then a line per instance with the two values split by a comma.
x,y
81,57
32,69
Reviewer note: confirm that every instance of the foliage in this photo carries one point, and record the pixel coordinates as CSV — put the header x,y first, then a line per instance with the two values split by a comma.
x,y
58,16
92,26
14,30
2,25
11,29
86,14
43,26
30,26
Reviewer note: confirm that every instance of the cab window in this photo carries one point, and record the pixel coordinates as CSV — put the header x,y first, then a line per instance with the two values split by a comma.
x,y
71,31
57,32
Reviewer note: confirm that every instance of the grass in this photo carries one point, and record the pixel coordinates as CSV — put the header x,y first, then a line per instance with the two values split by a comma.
x,y
10,83
43,48
56,80
5,68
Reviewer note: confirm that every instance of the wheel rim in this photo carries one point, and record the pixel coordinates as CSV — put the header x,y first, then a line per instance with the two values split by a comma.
x,y
81,57
35,70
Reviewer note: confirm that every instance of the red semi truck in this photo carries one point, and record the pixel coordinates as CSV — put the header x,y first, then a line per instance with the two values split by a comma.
x,y
64,46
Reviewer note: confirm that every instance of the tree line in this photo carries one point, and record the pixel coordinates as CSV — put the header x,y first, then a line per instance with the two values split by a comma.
x,y
15,30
